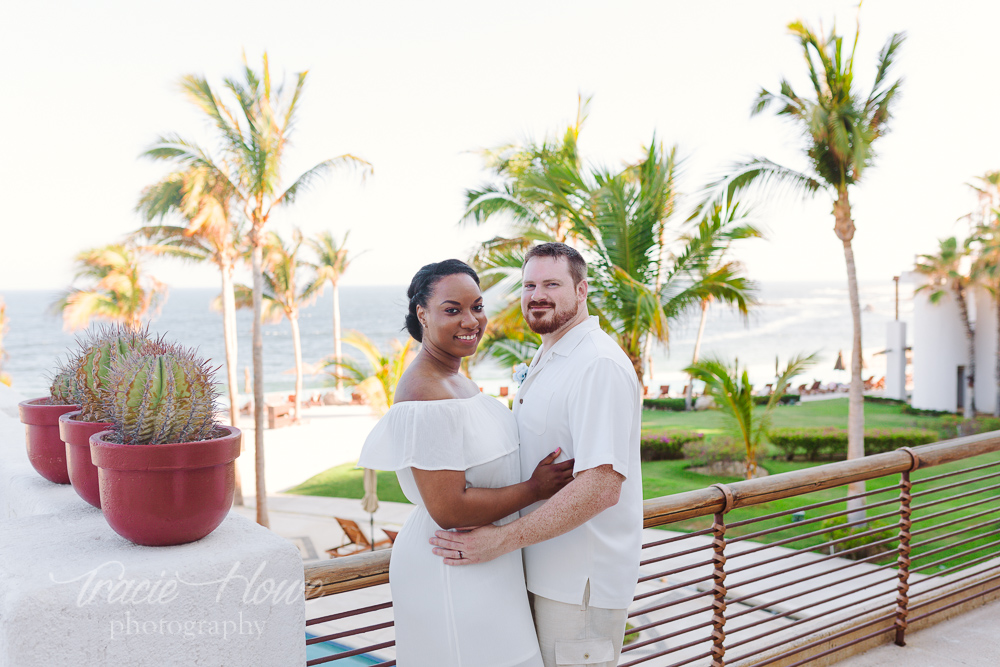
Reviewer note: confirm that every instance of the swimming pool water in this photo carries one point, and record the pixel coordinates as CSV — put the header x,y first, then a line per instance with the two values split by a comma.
x,y
324,649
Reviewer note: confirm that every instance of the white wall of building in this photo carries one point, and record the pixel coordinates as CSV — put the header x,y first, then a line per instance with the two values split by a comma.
x,y
939,348
986,350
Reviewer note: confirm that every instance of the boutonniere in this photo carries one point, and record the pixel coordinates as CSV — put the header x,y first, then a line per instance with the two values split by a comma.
x,y
520,372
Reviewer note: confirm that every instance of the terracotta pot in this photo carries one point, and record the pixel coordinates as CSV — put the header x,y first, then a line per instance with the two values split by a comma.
x,y
82,471
160,495
46,451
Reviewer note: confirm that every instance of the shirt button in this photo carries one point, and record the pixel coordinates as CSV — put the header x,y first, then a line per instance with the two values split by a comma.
x,y
520,400
586,655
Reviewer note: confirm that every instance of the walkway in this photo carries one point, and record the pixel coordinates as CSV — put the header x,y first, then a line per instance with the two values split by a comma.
x,y
968,640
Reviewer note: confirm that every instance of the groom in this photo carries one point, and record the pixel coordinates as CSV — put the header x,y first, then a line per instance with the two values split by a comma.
x,y
581,547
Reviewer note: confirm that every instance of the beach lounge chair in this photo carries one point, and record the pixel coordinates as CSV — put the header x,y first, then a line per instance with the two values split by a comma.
x,y
355,540
664,391
816,388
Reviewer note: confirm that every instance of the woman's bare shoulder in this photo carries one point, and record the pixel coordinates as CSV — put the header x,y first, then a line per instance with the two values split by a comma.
x,y
419,386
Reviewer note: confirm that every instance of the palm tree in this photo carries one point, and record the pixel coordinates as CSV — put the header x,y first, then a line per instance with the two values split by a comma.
x,y
840,129
211,235
732,392
118,290
622,222
4,327
724,222
946,275
377,376
253,142
282,297
331,262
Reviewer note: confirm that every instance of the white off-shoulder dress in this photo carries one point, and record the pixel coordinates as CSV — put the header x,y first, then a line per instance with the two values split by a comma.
x,y
453,616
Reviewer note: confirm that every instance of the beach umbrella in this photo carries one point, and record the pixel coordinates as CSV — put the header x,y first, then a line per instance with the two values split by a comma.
x,y
839,366
369,502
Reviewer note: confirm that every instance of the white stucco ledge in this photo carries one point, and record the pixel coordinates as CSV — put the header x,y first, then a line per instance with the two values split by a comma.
x,y
73,592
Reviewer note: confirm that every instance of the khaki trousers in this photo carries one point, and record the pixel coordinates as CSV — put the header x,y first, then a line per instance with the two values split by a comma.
x,y
578,634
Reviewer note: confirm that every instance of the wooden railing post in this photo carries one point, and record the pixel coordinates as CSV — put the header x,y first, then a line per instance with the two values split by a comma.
x,y
719,579
903,558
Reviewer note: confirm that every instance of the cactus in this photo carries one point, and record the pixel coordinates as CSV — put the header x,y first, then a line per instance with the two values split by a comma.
x,y
161,396
94,361
63,388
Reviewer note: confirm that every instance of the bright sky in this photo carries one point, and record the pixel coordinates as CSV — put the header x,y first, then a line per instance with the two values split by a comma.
x,y
415,88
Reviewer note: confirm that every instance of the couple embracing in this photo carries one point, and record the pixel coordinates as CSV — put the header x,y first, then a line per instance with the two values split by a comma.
x,y
535,516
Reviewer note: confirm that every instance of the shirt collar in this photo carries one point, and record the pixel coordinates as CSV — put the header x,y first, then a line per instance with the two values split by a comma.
x,y
565,345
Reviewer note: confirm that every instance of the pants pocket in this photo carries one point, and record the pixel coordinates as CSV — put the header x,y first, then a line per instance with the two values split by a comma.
x,y
584,652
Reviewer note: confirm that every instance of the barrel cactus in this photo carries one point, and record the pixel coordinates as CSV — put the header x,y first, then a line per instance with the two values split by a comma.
x,y
160,396
62,391
93,364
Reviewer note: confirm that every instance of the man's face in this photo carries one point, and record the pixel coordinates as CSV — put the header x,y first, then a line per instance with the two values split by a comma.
x,y
549,299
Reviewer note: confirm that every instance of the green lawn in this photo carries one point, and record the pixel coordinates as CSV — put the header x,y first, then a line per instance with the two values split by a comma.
x,y
661,478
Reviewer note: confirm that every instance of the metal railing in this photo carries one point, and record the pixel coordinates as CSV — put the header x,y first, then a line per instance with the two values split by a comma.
x,y
743,587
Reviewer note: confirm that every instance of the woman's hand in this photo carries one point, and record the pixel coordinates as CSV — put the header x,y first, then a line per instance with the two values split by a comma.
x,y
549,477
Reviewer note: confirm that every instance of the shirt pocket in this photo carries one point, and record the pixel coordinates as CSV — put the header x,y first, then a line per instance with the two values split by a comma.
x,y
533,414
584,652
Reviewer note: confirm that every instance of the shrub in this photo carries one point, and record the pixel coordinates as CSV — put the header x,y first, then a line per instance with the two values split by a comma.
x,y
885,400
910,410
786,399
672,404
716,450
953,426
855,542
832,441
667,446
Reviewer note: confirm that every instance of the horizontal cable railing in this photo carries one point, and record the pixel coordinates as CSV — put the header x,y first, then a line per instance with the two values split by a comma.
x,y
780,588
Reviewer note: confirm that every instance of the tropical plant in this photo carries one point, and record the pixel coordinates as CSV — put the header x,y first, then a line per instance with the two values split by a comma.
x,y
332,260
211,234
118,289
839,128
730,389
160,396
253,138
986,259
282,295
375,376
623,223
945,273
727,223
4,326
97,353
204,201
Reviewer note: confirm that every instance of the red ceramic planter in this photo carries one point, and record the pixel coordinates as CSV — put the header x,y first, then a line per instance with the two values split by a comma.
x,y
46,451
82,471
161,495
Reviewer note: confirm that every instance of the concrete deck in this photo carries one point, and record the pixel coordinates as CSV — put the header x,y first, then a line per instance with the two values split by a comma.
x,y
969,640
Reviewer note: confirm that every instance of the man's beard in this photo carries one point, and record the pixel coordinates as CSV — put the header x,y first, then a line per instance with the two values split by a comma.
x,y
552,320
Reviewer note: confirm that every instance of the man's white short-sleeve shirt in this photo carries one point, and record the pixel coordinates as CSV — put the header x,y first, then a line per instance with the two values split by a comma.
x,y
582,395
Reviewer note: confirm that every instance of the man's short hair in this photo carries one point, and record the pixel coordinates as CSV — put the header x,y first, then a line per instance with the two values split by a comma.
x,y
577,265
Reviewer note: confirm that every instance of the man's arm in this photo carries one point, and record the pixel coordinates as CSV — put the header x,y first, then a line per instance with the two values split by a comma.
x,y
593,491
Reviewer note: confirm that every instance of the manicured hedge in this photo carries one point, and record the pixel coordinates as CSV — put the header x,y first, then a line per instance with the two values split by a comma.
x,y
832,442
666,446
672,404
786,399
677,404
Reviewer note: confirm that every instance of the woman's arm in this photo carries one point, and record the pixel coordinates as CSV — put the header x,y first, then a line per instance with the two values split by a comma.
x,y
452,505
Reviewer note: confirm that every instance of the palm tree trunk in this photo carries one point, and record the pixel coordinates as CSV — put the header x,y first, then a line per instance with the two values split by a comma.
x,y
844,229
689,390
229,336
969,409
258,375
293,317
337,350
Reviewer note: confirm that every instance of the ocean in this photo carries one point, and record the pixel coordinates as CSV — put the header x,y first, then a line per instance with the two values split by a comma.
x,y
792,317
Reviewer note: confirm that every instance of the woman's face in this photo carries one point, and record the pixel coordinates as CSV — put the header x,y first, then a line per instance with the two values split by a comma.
x,y
454,319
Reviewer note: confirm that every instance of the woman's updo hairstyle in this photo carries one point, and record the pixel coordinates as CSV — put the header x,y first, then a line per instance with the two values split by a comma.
x,y
423,284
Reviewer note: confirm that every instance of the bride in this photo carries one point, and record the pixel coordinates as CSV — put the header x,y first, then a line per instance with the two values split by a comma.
x,y
455,452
